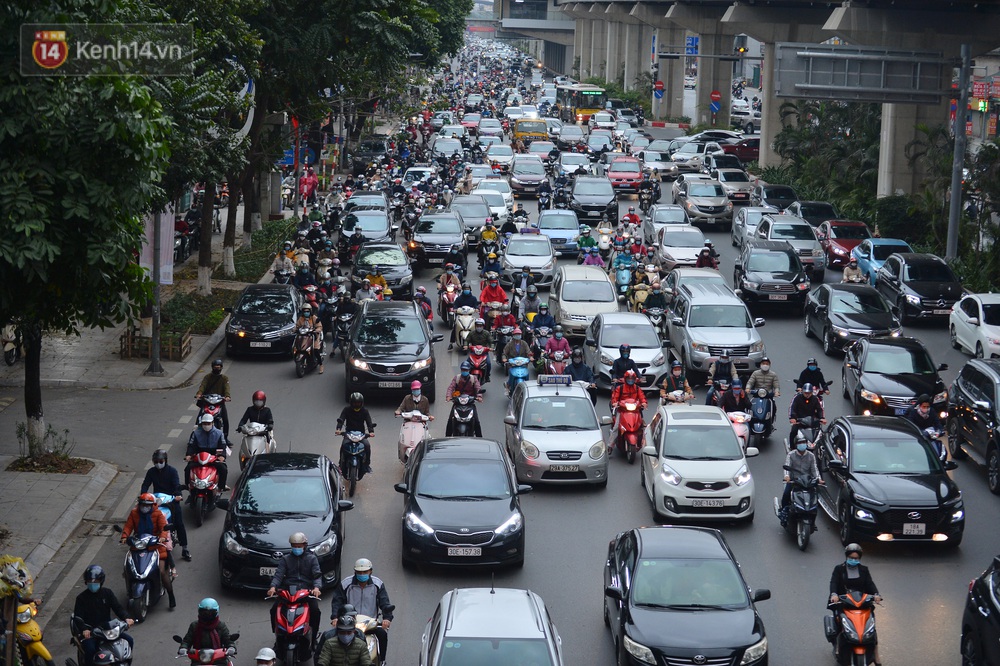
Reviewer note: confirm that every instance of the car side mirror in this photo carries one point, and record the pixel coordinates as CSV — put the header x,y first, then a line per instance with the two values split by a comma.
x,y
835,465
758,322
822,237
401,488
821,308
649,450
950,465
895,311
510,419
437,337
590,343
682,194
523,489
942,367
677,321
665,344
972,321
751,452
345,505
614,592
222,503
763,594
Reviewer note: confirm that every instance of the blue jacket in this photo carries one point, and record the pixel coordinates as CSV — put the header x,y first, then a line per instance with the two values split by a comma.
x,y
580,372
541,320
205,441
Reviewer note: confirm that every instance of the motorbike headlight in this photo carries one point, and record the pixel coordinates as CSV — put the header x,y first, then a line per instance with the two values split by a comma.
x,y
232,545
24,616
326,547
757,347
941,397
896,332
670,476
414,524
529,450
421,364
597,450
912,299
638,650
848,626
201,484
359,364
755,652
659,360
742,477
510,526
870,396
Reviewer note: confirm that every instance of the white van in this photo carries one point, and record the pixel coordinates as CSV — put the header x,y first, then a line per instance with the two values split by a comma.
x,y
580,293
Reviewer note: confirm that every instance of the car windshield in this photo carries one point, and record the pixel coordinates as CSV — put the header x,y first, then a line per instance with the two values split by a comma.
x,y
733,177
382,256
858,302
690,442
471,118
571,131
281,493
558,413
882,252
706,190
852,231
688,583
558,221
887,360
626,166
991,314
594,188
892,455
528,168
930,271
598,142
642,142
652,156
447,146
495,185
682,238
792,232
528,247
588,291
255,303
365,222
817,210
691,148
489,123
752,218
719,316
472,213
642,336
371,147
532,126
391,331
771,262
462,479
499,150
540,148
468,651
669,216
780,193
439,225
493,198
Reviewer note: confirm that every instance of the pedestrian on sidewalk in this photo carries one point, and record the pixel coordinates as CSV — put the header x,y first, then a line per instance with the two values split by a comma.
x,y
165,479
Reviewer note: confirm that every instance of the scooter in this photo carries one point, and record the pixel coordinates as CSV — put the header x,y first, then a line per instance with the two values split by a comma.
x,y
741,425
852,628
367,625
543,201
342,334
761,416
604,236
257,438
809,427
623,281
463,415
630,428
638,296
517,372
465,319
657,317
477,359
112,648
538,341
413,431
29,636
799,518
302,352
282,277
293,637
211,403
352,451
214,656
142,573
645,200
446,305
203,485
12,347
556,364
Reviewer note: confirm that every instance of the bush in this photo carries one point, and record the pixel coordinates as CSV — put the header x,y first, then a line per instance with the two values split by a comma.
x,y
252,263
896,217
201,314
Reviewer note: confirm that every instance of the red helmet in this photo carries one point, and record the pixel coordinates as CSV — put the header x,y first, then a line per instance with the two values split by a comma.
x,y
147,499
630,377
259,395
516,331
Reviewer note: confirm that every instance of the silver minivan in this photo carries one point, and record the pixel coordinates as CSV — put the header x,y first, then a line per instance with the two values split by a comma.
x,y
580,293
800,235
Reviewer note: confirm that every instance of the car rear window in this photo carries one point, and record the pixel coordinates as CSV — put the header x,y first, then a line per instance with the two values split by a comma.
x,y
466,651
792,232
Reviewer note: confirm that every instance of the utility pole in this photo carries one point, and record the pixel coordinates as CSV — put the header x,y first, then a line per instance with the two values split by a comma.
x,y
958,162
155,368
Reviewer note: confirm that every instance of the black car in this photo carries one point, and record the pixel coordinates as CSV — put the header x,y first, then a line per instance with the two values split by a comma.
x,y
391,261
593,198
675,595
922,286
390,345
841,314
277,495
973,418
371,149
775,196
813,212
263,321
374,226
365,200
770,272
473,210
461,505
981,618
886,375
434,236
885,482
569,137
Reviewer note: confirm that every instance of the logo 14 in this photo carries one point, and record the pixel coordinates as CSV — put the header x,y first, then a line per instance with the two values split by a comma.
x,y
49,48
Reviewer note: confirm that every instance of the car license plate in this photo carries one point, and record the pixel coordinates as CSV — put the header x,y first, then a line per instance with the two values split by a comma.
x,y
914,529
778,297
564,468
435,260
268,571
593,213
390,384
942,312
465,552
260,344
900,411
713,504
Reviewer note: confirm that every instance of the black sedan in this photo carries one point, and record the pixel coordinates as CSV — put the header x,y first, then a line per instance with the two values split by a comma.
x,y
391,261
461,505
675,595
434,237
263,321
841,314
981,619
277,495
769,272
886,375
885,482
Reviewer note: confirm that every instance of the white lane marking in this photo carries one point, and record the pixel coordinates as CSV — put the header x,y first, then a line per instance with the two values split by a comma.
x,y
185,419
176,432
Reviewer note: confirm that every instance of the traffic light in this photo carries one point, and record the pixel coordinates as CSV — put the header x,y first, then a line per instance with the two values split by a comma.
x,y
984,105
740,44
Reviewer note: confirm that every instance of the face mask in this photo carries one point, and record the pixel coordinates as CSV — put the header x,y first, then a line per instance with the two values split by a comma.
x,y
559,336
363,578
466,292
738,393
656,291
479,329
258,403
765,367
207,427
625,354
93,587
630,382
298,551
465,373
357,409
517,337
853,561
811,367
145,509
801,447
346,639
924,410
451,272
160,465
676,373
216,371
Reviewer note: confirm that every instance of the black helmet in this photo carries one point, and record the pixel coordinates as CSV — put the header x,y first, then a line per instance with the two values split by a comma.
x,y
94,574
346,609
357,400
675,364
922,398
624,348
217,363
159,455
853,548
577,352
346,623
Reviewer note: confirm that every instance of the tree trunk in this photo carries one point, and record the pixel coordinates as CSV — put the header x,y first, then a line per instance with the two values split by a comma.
x,y
205,251
32,336
251,216
229,240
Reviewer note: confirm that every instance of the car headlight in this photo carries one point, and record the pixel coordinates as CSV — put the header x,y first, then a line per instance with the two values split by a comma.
x,y
751,285
729,205
548,266
838,250
690,205
507,263
233,328
993,341
597,450
669,475
912,299
864,514
817,252
359,364
958,515
406,279
941,397
699,346
754,652
421,364
606,360
414,524
514,179
896,332
232,545
529,450
742,477
757,347
326,547
510,526
668,256
803,286
870,396
639,651
842,332
659,360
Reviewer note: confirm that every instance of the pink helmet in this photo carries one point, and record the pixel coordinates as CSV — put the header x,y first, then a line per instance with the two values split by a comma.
x,y
415,384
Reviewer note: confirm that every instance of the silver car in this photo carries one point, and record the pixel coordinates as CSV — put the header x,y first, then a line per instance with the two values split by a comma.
x,y
659,216
745,222
689,156
679,246
609,331
736,183
531,250
706,202
653,161
554,434
801,235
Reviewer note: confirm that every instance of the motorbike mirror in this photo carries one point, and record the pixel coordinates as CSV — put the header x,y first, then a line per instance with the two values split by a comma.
x,y
614,592
942,367
950,465
510,419
222,503
523,489
178,639
606,420
751,452
235,636
117,528
345,505
763,594
400,488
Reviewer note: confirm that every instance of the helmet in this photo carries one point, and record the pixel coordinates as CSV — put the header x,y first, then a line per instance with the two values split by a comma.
x,y
853,548
737,384
307,309
675,364
807,388
466,366
159,455
363,564
206,418
265,654
630,375
287,245
479,322
631,209
449,267
357,398
765,359
386,292
259,395
624,348
421,289
346,623
298,537
543,306
491,256
557,329
505,307
415,384
585,230
532,290
217,363
94,574
336,262
800,437
809,361
516,331
208,609
577,352
147,499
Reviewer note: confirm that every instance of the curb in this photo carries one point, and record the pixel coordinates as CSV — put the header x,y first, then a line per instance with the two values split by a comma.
x,y
660,123
100,478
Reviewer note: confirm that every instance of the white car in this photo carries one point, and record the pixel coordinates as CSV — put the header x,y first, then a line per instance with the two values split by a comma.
x,y
974,325
689,156
693,466
554,126
574,163
531,250
736,183
609,331
529,111
513,112
679,245
602,120
690,82
658,162
498,208
499,185
500,153
745,223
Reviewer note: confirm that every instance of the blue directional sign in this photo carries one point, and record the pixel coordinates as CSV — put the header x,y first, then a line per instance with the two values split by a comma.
x,y
288,159
714,107
691,45
658,94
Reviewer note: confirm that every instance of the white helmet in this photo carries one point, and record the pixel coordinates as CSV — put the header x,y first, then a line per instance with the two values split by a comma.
x,y
363,564
206,418
266,654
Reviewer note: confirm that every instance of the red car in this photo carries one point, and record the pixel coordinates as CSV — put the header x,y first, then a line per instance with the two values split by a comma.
x,y
625,174
470,121
748,150
839,237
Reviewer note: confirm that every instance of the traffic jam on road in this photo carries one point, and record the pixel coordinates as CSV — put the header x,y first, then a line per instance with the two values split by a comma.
x,y
596,402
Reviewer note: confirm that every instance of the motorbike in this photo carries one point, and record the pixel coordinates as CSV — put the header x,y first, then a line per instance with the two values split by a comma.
x,y
142,573
809,427
282,277
517,372
11,342
854,279
352,452
741,425
465,319
211,655
293,637
257,438
413,431
29,636
658,318
623,281
604,236
502,336
409,222
761,416
302,352
640,293
485,248
463,415
367,625
341,335
478,358
799,517
543,201
446,305
112,648
630,428
211,403
852,628
203,485
538,341
645,200
556,363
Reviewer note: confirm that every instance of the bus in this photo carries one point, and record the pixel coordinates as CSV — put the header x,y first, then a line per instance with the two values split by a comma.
x,y
578,101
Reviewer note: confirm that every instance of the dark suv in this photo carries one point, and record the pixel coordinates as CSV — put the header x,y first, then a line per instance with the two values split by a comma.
x,y
770,272
371,149
980,630
593,198
390,346
973,418
922,286
392,262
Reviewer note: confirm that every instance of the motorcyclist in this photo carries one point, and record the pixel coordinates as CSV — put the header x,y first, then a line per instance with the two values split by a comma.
x,y
631,218
652,260
649,186
350,648
326,253
764,378
813,375
217,383
146,518
208,631
206,437
387,294
464,383
722,367
852,576
505,318
164,479
257,412
415,401
586,239
735,399
304,277
365,292
516,347
375,277
623,259
93,607
676,381
508,227
491,265
593,257
804,404
637,249
623,363
456,257
301,569
283,262
557,342
308,320
465,298
480,336
420,296
448,277
523,279
799,461
368,595
852,273
627,389
706,260
355,417
712,251
520,215
656,298
577,369
543,319
922,415
492,293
